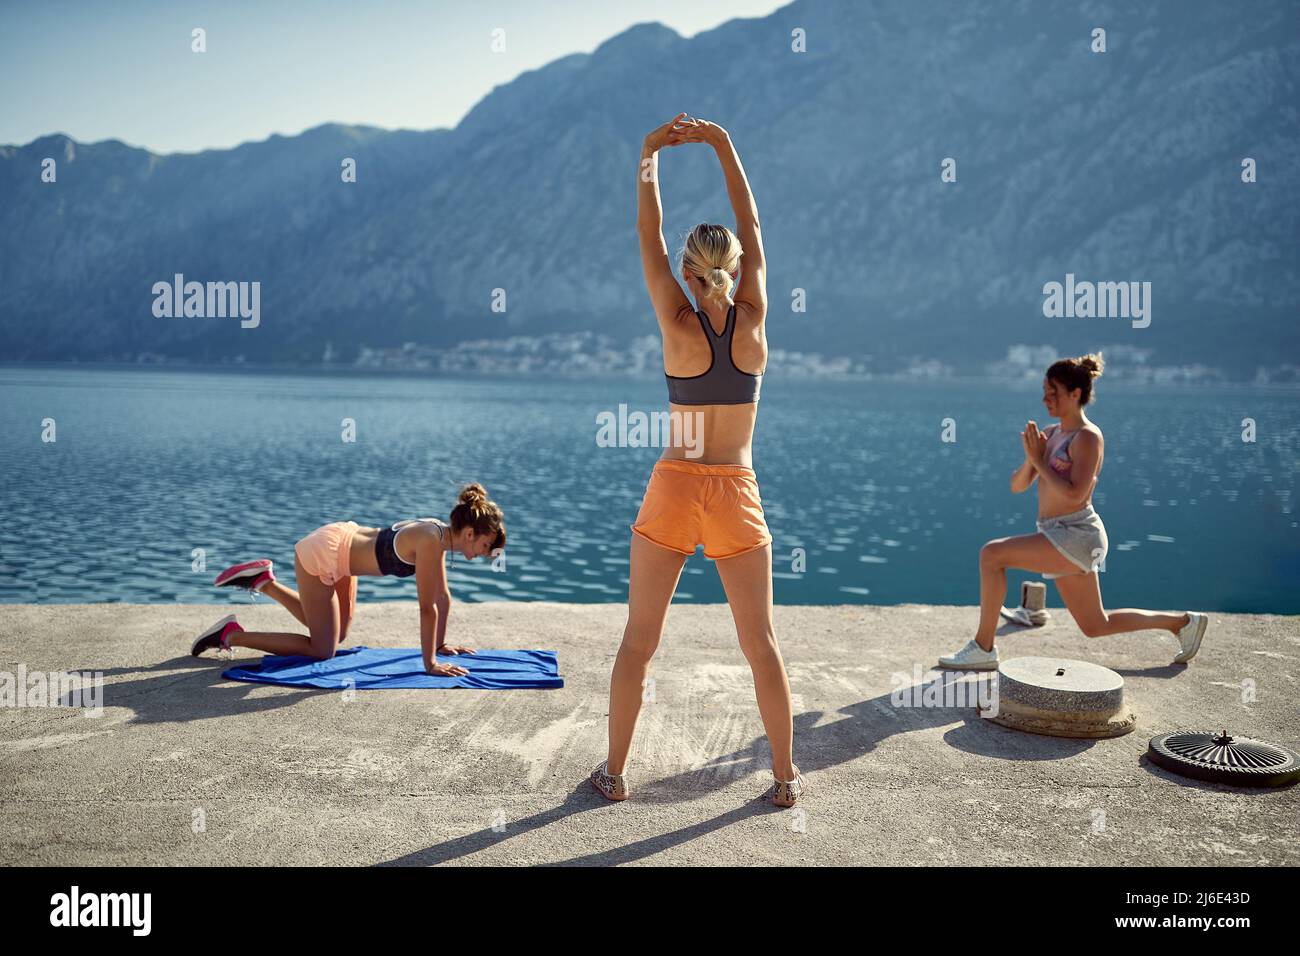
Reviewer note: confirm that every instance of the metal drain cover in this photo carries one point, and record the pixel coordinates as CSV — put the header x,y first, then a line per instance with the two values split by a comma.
x,y
1223,758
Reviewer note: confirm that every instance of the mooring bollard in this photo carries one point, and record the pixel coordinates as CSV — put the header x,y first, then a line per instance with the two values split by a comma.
x,y
1061,698
1033,596
1033,606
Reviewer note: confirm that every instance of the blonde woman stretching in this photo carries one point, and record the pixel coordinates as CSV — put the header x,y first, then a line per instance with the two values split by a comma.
x,y
714,358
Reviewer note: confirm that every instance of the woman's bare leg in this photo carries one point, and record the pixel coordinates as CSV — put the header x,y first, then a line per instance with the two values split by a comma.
x,y
273,642
652,579
320,605
290,600
1029,552
747,579
287,598
1082,596
347,595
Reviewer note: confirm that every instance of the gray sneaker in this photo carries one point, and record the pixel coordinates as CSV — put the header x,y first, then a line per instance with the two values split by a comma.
x,y
1191,635
972,657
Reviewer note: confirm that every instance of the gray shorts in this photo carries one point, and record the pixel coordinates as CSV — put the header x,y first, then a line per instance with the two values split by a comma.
x,y
1080,536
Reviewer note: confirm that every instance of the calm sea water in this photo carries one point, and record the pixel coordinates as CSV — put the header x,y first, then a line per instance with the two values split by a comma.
x,y
148,466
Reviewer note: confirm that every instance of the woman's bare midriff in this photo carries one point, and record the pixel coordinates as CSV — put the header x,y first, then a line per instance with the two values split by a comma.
x,y
361,556
1052,504
713,434
1055,510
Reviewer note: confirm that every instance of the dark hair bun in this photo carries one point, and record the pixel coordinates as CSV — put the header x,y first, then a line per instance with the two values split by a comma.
x,y
1092,363
474,510
1077,373
473,494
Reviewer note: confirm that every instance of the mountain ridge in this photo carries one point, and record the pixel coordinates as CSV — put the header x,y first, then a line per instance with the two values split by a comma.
x,y
1067,162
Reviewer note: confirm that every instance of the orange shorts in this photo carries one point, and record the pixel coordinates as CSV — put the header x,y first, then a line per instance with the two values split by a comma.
x,y
687,504
326,553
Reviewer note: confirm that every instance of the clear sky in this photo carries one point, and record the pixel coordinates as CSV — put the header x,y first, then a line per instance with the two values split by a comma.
x,y
123,69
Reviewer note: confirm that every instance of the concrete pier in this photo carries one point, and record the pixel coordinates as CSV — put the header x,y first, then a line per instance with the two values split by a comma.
x,y
183,767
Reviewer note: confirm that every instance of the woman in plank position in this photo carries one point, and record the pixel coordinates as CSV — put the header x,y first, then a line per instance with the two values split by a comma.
x,y
1071,544
714,358
328,561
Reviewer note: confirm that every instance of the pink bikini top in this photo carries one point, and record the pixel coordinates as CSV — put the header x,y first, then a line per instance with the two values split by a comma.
x,y
1059,457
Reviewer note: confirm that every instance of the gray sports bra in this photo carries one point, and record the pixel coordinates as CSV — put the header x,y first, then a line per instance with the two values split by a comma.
x,y
722,383
386,556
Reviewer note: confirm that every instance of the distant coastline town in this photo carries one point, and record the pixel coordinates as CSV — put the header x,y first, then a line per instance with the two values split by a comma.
x,y
592,354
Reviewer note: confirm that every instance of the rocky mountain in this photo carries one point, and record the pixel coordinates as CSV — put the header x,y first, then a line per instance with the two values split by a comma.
x,y
1122,166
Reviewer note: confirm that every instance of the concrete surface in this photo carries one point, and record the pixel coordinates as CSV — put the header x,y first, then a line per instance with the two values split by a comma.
x,y
283,776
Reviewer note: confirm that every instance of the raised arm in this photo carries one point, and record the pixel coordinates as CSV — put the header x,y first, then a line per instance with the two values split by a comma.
x,y
665,292
752,287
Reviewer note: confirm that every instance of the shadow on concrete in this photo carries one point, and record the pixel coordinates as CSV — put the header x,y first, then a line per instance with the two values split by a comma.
x,y
583,798
821,743
1007,627
868,723
187,688
819,746
641,849
1164,670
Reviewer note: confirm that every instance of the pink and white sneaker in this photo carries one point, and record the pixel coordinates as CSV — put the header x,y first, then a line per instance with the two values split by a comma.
x,y
251,575
217,637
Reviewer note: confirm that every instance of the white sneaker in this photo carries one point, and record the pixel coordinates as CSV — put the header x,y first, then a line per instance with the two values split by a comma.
x,y
972,657
1025,617
1190,636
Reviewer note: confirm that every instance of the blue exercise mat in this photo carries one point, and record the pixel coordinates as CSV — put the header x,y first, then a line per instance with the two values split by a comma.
x,y
390,668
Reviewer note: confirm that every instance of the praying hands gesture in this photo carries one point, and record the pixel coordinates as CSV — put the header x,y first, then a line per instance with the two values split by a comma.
x,y
1035,444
